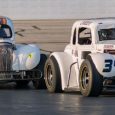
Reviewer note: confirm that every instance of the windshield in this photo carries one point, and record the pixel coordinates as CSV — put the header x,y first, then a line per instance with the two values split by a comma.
x,y
106,34
5,31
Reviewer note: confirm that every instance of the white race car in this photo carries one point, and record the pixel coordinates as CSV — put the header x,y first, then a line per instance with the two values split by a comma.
x,y
19,62
88,61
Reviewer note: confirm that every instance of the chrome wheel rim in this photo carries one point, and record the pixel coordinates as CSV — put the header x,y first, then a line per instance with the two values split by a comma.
x,y
85,78
49,75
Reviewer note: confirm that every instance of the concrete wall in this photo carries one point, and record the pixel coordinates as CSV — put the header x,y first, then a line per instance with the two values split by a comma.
x,y
57,9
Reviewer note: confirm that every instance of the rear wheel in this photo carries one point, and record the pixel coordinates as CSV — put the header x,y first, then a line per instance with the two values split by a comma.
x,y
40,83
52,75
90,81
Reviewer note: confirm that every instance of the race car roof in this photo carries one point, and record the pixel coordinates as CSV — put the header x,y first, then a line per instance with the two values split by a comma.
x,y
94,22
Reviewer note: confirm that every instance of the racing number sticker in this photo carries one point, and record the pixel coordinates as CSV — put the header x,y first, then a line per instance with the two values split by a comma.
x,y
108,65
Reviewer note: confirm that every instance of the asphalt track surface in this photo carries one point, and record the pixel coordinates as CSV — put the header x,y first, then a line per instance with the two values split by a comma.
x,y
51,35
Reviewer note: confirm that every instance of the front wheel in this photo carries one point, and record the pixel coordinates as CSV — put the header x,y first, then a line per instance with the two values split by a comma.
x,y
90,81
52,75
40,83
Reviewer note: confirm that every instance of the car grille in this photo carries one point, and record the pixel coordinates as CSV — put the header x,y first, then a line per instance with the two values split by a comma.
x,y
6,58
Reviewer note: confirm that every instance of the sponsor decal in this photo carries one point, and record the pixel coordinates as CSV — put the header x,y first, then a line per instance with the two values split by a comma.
x,y
30,56
108,46
86,23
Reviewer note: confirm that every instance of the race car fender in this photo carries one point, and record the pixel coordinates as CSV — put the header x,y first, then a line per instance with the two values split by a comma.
x,y
104,63
64,61
26,57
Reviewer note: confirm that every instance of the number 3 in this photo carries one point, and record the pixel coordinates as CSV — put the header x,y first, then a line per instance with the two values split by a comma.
x,y
108,65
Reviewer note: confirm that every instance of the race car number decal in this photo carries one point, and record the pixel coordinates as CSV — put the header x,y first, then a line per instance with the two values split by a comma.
x,y
108,65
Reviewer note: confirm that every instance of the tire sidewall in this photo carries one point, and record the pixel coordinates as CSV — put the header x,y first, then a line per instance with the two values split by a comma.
x,y
96,79
51,88
56,79
87,90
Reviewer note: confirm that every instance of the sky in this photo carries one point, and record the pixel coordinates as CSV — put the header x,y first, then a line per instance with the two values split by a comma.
x,y
57,9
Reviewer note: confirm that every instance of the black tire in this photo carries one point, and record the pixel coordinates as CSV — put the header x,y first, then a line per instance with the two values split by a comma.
x,y
90,81
22,83
40,83
52,76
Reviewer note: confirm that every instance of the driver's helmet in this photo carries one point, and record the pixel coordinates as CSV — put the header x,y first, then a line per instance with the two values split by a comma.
x,y
2,33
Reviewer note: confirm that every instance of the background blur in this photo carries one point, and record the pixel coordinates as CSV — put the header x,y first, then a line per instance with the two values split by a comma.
x,y
56,9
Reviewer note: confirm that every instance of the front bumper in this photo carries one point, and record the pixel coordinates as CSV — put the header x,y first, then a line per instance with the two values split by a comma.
x,y
20,75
